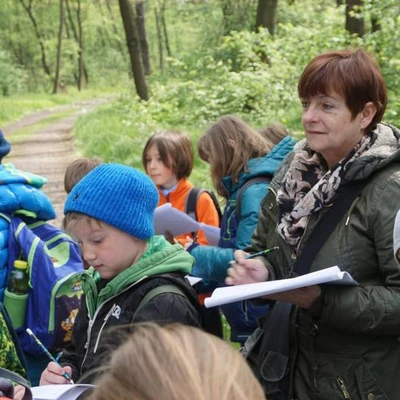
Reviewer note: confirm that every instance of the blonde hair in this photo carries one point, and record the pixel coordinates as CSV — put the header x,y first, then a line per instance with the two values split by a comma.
x,y
72,218
274,133
77,170
228,145
175,362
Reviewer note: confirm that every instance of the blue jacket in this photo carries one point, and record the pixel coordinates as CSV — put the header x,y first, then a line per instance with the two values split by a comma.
x,y
212,262
19,193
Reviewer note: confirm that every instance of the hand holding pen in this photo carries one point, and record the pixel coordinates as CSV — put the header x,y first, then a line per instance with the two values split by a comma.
x,y
260,253
247,269
48,354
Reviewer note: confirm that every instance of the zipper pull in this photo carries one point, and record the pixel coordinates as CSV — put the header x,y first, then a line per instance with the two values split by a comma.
x,y
110,312
343,388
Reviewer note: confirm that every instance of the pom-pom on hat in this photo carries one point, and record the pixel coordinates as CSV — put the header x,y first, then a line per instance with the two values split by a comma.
x,y
5,147
118,195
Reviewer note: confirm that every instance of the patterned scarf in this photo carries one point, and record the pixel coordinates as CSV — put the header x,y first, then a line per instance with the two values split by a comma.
x,y
308,186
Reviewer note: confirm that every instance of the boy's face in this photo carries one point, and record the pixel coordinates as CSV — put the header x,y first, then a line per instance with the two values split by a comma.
x,y
107,249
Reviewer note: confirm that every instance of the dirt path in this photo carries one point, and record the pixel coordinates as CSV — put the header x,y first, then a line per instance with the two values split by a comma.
x,y
49,150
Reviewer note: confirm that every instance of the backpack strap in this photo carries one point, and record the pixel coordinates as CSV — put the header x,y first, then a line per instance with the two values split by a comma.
x,y
191,202
14,337
193,197
155,292
252,181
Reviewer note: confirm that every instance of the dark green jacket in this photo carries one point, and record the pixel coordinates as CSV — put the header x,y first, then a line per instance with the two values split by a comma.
x,y
348,344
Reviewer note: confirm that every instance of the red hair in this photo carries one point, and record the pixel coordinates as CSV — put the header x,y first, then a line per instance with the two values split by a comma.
x,y
352,74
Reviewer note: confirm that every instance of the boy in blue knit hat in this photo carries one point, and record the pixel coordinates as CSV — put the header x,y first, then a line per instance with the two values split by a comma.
x,y
110,214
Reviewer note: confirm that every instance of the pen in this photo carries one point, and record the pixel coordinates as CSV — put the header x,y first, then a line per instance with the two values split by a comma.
x,y
48,354
259,253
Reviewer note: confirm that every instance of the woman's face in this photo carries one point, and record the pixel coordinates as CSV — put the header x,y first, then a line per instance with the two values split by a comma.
x,y
329,127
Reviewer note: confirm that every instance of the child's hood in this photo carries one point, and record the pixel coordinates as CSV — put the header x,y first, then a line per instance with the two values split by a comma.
x,y
161,257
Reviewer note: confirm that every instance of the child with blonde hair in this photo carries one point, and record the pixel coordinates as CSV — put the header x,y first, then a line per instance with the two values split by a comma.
x,y
134,275
176,362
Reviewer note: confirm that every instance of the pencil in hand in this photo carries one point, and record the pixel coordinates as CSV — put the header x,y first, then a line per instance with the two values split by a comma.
x,y
48,354
259,253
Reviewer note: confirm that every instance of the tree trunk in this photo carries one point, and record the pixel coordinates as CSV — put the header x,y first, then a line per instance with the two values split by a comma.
x,y
228,14
354,25
80,62
132,41
375,23
267,15
144,46
59,47
159,39
116,33
77,38
28,9
164,26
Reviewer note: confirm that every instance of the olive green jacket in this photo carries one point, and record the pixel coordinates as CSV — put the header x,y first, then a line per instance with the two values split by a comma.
x,y
347,345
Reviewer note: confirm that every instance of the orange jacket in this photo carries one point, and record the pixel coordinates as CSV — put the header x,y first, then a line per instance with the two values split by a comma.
x,y
205,209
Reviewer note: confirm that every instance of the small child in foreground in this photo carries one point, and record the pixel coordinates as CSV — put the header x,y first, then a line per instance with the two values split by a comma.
x,y
110,214
176,362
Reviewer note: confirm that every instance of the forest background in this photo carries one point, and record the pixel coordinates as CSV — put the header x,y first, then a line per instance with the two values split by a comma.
x,y
179,64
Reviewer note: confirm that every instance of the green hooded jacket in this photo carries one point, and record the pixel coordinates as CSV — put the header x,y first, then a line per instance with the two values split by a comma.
x,y
114,303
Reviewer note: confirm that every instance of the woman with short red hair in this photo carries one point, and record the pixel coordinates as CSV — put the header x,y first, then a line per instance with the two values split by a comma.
x,y
343,339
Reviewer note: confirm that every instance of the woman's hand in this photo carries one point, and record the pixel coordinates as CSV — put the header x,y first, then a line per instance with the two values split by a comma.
x,y
303,297
53,374
244,270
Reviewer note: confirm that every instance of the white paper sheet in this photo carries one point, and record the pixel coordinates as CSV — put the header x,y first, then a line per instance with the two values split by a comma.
x,y
193,279
168,218
225,295
59,392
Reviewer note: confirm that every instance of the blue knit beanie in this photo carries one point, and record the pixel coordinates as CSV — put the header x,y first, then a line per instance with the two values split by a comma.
x,y
118,195
5,147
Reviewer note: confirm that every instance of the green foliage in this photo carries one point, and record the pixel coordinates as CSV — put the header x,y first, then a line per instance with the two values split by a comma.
x,y
253,75
11,78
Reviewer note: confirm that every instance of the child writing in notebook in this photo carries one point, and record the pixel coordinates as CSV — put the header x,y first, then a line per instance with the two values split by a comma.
x,y
110,214
168,160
